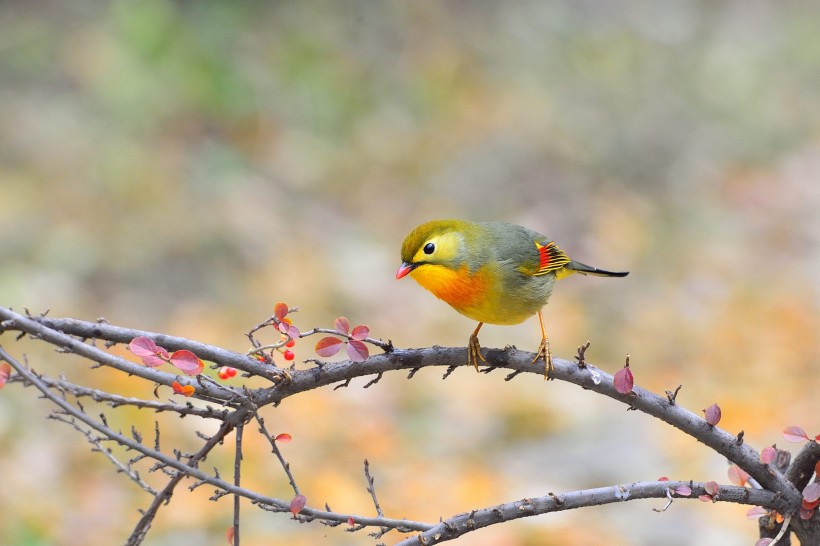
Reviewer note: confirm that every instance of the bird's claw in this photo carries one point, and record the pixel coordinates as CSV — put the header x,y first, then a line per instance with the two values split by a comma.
x,y
545,353
474,352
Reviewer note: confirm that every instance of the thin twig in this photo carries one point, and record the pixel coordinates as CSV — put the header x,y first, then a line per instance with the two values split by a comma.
x,y
237,471
371,488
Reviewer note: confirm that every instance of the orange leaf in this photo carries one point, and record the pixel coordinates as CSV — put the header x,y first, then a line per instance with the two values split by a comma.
x,y
283,438
229,534
328,346
280,310
5,373
186,390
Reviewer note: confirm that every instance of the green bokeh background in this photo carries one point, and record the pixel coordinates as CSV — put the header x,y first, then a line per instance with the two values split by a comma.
x,y
182,166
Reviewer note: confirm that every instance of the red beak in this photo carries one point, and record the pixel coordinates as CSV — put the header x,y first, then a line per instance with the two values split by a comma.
x,y
404,269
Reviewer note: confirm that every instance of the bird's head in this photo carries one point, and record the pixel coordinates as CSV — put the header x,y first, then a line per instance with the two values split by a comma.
x,y
439,243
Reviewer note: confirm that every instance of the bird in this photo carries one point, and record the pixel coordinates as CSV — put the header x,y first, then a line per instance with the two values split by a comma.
x,y
490,272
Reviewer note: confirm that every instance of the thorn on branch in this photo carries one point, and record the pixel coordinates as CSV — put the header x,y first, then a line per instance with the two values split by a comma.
x,y
450,369
412,373
581,356
512,374
374,381
342,385
672,395
739,439
558,501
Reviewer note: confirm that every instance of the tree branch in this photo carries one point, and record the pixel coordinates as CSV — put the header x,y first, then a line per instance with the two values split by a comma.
x,y
779,492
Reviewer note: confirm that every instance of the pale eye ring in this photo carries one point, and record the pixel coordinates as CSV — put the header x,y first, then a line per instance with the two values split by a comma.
x,y
429,248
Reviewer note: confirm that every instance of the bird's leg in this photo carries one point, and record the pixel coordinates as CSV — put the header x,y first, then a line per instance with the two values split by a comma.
x,y
474,349
543,349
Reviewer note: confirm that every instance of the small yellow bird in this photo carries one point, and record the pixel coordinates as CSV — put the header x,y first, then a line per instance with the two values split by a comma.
x,y
491,272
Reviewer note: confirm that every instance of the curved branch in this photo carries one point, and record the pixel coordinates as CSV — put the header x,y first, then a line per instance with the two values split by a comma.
x,y
779,492
589,377
477,519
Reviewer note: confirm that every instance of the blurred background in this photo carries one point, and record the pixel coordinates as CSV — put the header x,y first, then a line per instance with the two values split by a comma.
x,y
182,166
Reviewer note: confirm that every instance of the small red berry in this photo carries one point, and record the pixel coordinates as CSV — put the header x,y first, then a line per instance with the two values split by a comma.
x,y
290,343
289,355
226,372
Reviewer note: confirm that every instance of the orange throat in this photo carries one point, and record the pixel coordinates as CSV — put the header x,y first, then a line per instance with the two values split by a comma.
x,y
455,286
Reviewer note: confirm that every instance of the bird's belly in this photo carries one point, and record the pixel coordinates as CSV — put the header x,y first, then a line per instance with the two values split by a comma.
x,y
519,299
482,298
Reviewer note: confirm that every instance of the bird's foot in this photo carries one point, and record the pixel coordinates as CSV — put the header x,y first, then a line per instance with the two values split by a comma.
x,y
474,352
545,353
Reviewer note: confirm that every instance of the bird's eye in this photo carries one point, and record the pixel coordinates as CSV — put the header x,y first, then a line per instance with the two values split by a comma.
x,y
429,248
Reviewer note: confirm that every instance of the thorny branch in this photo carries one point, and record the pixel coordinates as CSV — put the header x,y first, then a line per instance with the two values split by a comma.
x,y
235,407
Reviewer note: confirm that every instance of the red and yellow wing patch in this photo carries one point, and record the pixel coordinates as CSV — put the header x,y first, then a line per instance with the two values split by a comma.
x,y
550,258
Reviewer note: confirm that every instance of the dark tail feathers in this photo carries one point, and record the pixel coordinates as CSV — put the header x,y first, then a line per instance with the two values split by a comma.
x,y
585,269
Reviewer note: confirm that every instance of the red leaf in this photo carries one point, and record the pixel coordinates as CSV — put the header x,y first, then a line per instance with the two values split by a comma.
x,y
351,521
342,325
768,455
328,346
624,380
229,534
663,479
143,346
817,469
712,414
360,332
187,362
738,476
806,505
706,498
152,355
711,488
683,490
764,542
806,514
812,492
357,351
795,434
755,512
5,373
297,504
283,438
